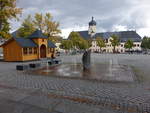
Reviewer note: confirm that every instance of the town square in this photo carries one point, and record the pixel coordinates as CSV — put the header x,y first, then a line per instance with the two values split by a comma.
x,y
74,57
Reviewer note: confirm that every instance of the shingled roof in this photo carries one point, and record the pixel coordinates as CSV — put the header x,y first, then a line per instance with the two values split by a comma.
x,y
50,44
25,42
37,34
123,35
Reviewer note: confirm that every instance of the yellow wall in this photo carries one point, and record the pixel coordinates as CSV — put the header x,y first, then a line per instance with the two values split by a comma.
x,y
40,41
28,56
12,51
49,55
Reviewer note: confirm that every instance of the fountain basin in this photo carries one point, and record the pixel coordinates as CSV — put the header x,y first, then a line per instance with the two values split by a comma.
x,y
103,72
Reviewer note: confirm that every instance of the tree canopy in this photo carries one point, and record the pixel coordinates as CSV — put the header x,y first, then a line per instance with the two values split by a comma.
x,y
77,41
115,41
42,22
145,43
8,11
129,44
100,42
66,44
27,27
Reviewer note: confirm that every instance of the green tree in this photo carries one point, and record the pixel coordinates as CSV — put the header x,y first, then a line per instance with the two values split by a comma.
x,y
100,42
51,27
43,22
115,42
39,21
56,39
129,44
8,10
83,44
27,27
145,43
89,42
76,39
66,44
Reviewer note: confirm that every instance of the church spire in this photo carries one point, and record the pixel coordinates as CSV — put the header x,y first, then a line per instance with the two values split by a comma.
x,y
92,27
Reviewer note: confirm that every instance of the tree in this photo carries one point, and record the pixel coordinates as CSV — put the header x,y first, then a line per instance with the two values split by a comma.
x,y
100,42
39,21
66,44
83,44
27,27
129,44
89,41
76,39
115,42
51,27
43,22
8,10
145,43
55,39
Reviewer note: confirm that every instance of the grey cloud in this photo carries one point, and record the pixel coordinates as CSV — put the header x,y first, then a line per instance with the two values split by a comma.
x,y
107,13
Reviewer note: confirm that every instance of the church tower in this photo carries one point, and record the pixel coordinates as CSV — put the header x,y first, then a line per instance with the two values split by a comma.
x,y
92,27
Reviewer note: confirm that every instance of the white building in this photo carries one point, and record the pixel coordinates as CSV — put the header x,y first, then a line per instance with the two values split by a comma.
x,y
123,36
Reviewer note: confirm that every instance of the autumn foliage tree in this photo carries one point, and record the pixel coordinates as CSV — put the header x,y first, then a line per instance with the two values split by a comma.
x,y
100,42
42,22
8,11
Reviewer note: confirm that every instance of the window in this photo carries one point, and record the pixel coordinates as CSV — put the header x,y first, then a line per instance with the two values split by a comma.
x,y
43,40
30,50
106,40
25,51
35,50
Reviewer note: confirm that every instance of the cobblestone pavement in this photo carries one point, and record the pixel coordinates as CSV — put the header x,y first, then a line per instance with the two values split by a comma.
x,y
23,93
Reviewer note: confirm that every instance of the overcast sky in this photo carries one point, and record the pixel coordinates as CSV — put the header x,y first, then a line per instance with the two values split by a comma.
x,y
110,15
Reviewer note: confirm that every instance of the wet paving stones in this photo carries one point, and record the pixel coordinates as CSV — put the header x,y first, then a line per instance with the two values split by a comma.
x,y
23,93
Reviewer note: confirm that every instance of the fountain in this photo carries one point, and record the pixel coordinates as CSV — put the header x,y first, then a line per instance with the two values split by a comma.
x,y
86,69
47,67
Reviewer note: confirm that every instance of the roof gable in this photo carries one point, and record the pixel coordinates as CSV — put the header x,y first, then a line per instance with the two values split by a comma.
x,y
37,34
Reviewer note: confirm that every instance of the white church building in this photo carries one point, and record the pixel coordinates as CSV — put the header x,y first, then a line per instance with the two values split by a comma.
x,y
91,33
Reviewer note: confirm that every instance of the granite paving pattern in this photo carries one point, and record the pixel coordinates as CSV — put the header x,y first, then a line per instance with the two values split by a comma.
x,y
24,93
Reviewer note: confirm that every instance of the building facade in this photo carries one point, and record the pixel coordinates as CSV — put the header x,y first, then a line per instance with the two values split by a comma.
x,y
35,47
124,36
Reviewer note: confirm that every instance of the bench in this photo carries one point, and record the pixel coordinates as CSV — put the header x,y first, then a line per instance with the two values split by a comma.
x,y
50,62
22,67
56,61
34,65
